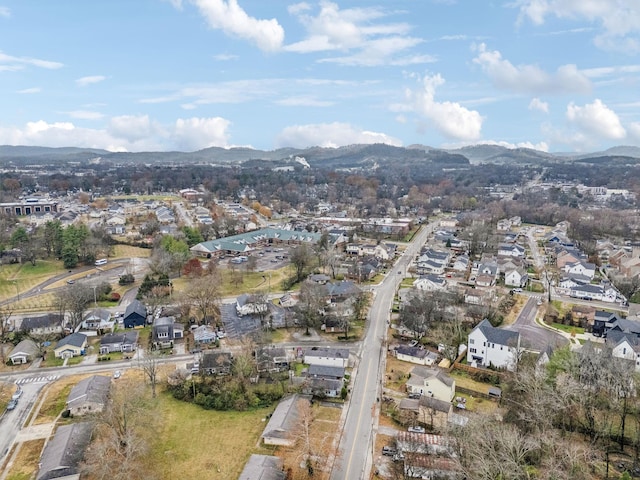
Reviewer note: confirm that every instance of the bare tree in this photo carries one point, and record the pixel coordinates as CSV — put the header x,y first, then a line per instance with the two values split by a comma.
x,y
204,295
5,328
300,259
310,304
121,441
150,365
76,297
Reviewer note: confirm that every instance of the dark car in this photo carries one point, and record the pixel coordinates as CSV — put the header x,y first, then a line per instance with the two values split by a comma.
x,y
12,404
390,451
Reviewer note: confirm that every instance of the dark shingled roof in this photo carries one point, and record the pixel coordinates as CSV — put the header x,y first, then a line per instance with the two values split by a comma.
x,y
63,454
498,335
263,467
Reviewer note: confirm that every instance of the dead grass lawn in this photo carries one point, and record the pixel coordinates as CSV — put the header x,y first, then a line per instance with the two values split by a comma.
x,y
397,374
26,462
192,441
55,398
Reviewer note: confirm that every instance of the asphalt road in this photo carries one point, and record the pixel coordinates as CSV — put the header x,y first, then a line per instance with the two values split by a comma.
x,y
13,420
358,435
533,336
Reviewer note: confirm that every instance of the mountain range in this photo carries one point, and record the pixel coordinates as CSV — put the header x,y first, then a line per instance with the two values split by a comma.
x,y
347,157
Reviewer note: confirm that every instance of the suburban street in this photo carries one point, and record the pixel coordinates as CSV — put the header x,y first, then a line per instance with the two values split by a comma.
x,y
534,337
358,435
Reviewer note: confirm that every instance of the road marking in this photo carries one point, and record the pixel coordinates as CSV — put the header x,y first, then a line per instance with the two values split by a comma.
x,y
46,379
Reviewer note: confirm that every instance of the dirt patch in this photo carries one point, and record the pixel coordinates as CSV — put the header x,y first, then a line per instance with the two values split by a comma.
x,y
25,465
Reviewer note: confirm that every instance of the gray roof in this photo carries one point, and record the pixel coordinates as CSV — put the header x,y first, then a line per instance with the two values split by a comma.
x,y
435,404
415,352
263,467
27,346
93,389
75,339
129,337
64,452
136,306
284,418
327,352
427,373
325,371
98,314
42,321
498,335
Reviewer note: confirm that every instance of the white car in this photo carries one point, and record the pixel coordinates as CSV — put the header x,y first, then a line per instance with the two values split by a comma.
x,y
117,374
417,429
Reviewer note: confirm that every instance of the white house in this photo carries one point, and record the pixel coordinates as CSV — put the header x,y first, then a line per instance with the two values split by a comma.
x,y
516,277
625,345
488,345
331,357
430,283
247,305
510,250
581,268
461,263
431,382
418,355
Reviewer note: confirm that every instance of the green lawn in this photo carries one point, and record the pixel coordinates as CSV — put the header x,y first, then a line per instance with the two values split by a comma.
x,y
18,278
192,441
568,328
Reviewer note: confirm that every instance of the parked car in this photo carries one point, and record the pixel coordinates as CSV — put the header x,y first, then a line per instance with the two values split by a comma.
x,y
17,395
117,374
390,451
417,429
12,404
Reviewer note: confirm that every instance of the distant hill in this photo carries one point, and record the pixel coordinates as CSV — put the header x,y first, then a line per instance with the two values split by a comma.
x,y
367,156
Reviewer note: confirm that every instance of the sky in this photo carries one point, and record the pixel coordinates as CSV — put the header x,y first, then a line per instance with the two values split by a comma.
x,y
160,75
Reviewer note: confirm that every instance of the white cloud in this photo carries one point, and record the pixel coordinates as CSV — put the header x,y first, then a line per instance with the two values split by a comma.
x,y
11,63
27,91
537,104
596,120
198,133
330,135
530,78
619,20
224,57
123,133
451,119
5,12
355,30
89,80
85,114
229,17
304,101
634,132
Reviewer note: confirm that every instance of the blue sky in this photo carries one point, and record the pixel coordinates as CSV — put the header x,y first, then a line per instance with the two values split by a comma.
x,y
149,75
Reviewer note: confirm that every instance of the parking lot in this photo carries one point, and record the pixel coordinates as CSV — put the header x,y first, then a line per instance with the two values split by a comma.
x,y
267,258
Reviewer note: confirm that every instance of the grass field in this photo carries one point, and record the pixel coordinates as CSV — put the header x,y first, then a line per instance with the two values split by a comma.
x,y
128,251
192,441
18,278
25,465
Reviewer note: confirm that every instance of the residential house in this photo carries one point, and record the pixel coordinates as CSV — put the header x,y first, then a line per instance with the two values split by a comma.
x,y
625,345
336,357
431,382
516,277
72,345
247,304
164,331
488,346
119,342
49,324
594,292
511,250
581,268
430,466
323,371
461,263
423,443
204,334
568,256
216,363
24,352
272,359
322,387
418,355
263,467
430,283
89,395
135,315
98,319
473,296
63,454
285,418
